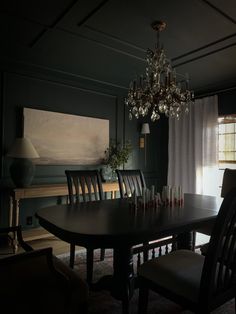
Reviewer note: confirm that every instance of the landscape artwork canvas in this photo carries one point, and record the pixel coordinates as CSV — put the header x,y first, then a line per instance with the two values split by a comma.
x,y
66,139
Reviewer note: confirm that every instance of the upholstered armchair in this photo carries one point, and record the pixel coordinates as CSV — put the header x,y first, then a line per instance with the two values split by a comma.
x,y
35,281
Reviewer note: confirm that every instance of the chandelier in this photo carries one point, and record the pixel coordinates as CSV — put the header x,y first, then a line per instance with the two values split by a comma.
x,y
159,91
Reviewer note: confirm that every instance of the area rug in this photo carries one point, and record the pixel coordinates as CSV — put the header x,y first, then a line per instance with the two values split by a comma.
x,y
102,303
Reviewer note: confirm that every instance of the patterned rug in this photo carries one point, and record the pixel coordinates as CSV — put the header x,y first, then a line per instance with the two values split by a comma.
x,y
102,303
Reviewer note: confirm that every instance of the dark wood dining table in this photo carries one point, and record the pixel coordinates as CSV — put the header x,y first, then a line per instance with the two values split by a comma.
x,y
116,224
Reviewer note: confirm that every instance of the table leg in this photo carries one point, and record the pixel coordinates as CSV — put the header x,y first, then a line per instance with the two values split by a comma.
x,y
123,276
17,212
11,212
185,241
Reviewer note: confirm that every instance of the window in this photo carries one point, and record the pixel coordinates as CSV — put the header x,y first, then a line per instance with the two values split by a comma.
x,y
227,139
227,145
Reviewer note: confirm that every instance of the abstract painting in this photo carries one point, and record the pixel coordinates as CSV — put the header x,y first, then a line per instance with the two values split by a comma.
x,y
61,138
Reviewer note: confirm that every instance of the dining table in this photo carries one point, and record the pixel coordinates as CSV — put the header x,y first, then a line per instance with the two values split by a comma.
x,y
119,225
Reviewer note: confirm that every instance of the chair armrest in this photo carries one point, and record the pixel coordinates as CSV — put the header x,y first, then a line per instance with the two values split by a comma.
x,y
16,230
33,281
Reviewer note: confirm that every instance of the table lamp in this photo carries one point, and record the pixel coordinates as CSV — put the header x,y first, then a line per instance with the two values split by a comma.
x,y
22,168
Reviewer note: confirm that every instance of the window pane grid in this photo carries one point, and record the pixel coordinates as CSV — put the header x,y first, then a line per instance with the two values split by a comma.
x,y
227,139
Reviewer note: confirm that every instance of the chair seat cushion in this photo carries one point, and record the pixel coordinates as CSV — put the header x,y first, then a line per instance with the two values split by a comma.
x,y
179,272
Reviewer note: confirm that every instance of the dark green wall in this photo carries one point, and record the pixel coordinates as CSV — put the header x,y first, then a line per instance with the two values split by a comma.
x,y
227,102
28,86
38,88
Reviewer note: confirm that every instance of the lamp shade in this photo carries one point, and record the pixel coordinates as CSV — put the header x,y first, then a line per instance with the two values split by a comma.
x,y
145,128
22,168
23,148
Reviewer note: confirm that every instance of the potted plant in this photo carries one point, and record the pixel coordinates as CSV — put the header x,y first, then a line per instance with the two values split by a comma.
x,y
116,155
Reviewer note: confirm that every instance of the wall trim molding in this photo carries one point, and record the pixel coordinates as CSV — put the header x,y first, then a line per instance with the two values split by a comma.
x,y
60,82
54,72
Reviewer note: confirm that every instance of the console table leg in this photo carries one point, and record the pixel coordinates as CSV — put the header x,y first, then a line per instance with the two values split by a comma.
x,y
11,212
17,212
15,219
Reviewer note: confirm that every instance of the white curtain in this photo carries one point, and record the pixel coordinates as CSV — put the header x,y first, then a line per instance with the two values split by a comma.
x,y
193,148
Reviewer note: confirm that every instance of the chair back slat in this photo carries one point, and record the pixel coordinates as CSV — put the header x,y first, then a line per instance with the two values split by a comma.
x,y
76,187
84,185
94,185
130,181
81,180
219,270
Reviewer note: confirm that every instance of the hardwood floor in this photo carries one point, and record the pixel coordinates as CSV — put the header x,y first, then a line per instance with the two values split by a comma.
x,y
31,236
59,247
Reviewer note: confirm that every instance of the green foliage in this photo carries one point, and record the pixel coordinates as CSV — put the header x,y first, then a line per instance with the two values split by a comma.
x,y
117,155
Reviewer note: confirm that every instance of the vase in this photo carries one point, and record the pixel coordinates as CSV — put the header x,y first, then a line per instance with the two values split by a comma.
x,y
109,174
113,176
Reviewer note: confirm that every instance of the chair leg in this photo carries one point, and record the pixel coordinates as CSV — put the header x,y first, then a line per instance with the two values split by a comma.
x,y
72,255
89,266
143,300
194,235
145,252
102,255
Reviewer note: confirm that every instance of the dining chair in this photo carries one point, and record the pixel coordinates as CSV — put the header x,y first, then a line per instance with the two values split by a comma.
x,y
36,281
130,181
228,182
31,282
84,186
196,282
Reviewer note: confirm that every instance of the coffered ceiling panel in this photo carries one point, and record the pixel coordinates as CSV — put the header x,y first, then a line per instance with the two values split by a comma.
x,y
106,40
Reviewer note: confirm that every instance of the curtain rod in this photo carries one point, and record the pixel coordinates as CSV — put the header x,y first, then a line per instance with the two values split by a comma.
x,y
215,92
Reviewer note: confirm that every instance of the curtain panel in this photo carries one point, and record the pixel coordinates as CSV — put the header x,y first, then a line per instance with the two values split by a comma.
x,y
193,148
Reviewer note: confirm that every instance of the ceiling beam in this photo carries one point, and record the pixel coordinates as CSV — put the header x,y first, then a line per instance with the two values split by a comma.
x,y
229,18
205,55
54,24
204,47
62,15
95,10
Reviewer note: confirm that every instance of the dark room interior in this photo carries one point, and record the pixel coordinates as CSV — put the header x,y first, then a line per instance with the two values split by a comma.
x,y
78,57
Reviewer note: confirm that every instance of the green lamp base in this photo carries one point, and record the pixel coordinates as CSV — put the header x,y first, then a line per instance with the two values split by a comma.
x,y
22,172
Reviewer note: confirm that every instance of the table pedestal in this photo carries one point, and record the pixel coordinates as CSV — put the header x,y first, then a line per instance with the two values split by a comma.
x,y
123,276
122,283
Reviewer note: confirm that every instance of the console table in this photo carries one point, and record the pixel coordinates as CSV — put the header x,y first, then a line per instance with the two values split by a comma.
x,y
47,190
